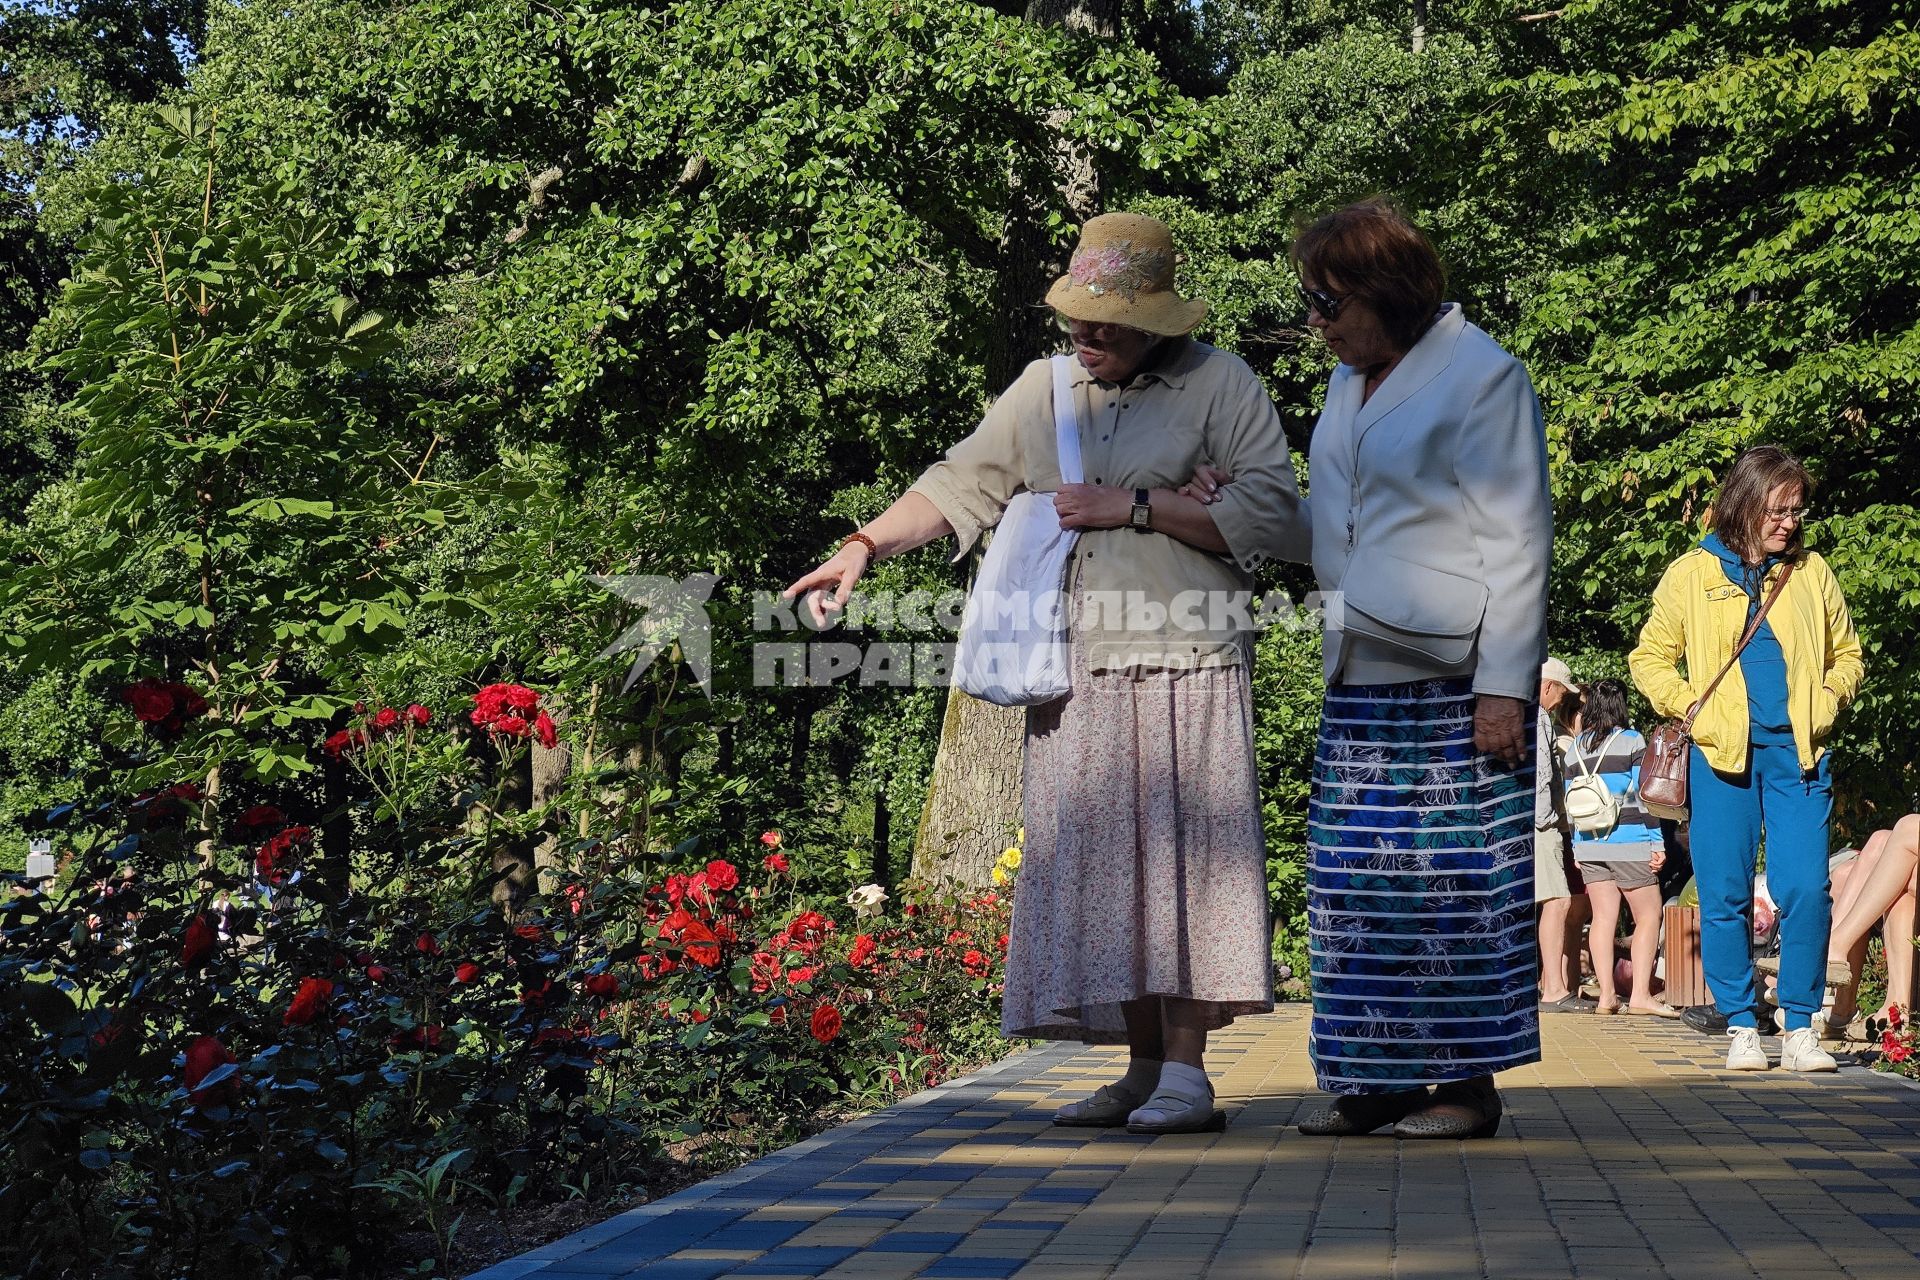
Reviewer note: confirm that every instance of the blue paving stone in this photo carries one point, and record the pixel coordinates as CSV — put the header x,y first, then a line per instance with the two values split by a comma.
x,y
917,1242
984,1268
892,1214
762,1233
1817,1163
683,1269
967,1122
947,1173
795,1257
1009,1224
1903,1220
976,1202
1060,1195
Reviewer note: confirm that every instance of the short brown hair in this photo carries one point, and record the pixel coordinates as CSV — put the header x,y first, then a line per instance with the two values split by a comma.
x,y
1741,509
1376,254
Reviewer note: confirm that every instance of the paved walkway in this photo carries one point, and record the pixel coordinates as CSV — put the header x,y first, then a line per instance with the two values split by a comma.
x,y
1628,1152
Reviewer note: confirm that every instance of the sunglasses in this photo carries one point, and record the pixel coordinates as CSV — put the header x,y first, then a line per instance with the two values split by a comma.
x,y
1322,303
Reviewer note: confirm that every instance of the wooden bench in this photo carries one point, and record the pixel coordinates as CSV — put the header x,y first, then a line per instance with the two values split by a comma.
x,y
1680,957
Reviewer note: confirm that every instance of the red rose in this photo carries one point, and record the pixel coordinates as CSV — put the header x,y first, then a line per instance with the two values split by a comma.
x,y
776,863
802,974
771,839
427,945
308,1002
1898,1053
386,720
529,932
537,998
763,968
512,726
198,943
809,926
520,698
777,1015
543,731
149,699
187,701
337,743
377,973
825,1023
863,949
721,876
424,1037
603,985
1001,942
1894,1018
261,815
975,963
419,714
466,971
204,1056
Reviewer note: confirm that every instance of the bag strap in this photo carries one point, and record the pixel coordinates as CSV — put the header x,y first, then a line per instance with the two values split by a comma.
x,y
1586,769
1066,426
1779,584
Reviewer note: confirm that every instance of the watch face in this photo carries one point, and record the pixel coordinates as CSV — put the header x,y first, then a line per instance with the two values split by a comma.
x,y
1141,514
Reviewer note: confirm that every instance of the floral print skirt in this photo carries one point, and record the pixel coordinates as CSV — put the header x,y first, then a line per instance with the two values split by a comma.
x,y
1144,868
1419,893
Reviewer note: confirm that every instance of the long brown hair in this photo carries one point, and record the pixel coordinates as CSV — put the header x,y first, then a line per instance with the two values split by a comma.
x,y
1740,512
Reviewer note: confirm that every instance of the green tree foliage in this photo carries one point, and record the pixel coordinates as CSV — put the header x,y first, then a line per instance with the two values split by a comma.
x,y
1749,276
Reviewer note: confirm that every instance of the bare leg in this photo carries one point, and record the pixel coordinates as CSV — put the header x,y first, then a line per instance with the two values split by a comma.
x,y
1645,905
1554,934
1878,890
1605,896
1900,946
1579,912
1848,881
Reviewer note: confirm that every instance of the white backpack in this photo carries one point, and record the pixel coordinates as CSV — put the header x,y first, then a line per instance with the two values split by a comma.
x,y
1592,807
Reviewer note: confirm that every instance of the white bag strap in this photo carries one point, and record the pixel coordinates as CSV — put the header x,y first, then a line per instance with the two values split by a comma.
x,y
1066,427
1580,753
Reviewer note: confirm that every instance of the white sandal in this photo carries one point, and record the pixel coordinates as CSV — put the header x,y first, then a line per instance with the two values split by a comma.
x,y
1178,1113
1107,1108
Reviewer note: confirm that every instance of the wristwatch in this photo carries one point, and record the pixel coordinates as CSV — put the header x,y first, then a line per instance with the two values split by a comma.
x,y
1142,520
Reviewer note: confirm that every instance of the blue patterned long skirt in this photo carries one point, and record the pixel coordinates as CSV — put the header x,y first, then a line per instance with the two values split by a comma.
x,y
1419,893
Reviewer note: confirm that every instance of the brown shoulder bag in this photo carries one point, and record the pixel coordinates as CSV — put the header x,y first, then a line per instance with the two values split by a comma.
x,y
1663,769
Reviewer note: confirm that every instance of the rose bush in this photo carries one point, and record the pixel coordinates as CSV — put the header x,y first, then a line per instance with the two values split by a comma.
x,y
221,1055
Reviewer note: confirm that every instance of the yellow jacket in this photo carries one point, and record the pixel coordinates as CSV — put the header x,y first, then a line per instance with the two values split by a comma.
x,y
1698,615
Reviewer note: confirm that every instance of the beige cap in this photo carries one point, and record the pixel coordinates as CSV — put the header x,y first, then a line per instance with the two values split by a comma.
x,y
1560,673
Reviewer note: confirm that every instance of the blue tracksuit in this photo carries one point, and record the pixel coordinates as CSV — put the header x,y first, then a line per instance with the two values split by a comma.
x,y
1731,813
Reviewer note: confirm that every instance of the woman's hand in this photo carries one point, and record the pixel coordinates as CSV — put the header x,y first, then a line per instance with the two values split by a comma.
x,y
1093,506
1657,861
1205,485
1500,728
830,586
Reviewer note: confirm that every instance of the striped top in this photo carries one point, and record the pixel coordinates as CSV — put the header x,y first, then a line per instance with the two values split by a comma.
x,y
1617,762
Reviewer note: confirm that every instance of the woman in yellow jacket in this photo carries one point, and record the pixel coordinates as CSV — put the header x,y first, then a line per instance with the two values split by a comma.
x,y
1759,758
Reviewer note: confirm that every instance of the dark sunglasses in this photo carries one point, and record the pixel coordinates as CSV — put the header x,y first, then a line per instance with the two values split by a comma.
x,y
1321,303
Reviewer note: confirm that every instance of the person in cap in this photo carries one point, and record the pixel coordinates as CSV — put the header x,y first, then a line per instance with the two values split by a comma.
x,y
1141,911
1556,881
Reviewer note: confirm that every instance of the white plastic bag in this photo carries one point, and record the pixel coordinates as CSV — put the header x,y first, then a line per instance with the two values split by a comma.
x,y
1013,647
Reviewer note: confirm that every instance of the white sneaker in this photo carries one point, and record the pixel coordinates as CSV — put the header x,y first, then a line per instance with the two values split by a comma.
x,y
1745,1054
1800,1051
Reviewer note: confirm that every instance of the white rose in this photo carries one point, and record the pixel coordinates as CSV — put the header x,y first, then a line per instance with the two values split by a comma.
x,y
867,900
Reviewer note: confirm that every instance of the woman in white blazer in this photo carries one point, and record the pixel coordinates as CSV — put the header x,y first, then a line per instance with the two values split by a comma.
x,y
1432,530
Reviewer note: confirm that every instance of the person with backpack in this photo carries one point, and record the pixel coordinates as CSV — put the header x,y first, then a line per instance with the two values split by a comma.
x,y
1771,661
1617,846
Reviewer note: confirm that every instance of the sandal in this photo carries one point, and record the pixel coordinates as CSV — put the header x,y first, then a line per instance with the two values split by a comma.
x,y
1658,1009
1460,1109
1356,1113
1183,1114
1107,1108
1839,972
1607,1010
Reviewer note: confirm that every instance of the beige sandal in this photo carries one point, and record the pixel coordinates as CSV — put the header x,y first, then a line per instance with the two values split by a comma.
x,y
1658,1009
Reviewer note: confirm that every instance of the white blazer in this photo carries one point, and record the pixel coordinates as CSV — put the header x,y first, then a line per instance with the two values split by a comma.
x,y
1432,521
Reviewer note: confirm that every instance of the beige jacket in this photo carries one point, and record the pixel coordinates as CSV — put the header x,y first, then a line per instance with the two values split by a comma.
x,y
1156,601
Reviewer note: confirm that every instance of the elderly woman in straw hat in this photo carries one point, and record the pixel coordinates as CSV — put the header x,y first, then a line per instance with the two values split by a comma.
x,y
1141,916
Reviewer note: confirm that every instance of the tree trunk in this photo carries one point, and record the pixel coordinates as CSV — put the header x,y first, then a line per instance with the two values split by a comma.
x,y
1419,26
973,799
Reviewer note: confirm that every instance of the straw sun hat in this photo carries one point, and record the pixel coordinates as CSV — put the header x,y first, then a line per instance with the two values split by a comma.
x,y
1122,273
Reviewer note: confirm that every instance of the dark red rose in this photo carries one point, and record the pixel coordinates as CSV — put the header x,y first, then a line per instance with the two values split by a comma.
x,y
377,973
309,1001
537,998
521,699
261,815
466,971
602,985
427,945
337,743
198,943
543,731
187,701
825,1023
511,726
776,863
529,932
386,720
721,876
149,699
205,1055
419,715
809,926
863,949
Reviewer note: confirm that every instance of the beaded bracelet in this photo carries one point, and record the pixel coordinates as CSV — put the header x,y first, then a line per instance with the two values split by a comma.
x,y
873,552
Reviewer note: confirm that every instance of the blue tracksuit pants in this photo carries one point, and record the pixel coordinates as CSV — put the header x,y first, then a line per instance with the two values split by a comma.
x,y
1730,814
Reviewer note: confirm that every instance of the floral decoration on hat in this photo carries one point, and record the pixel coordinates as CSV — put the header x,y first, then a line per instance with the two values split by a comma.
x,y
1118,267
